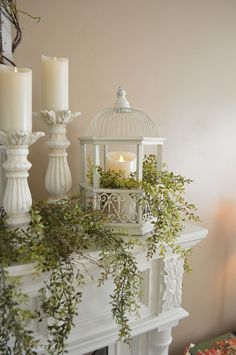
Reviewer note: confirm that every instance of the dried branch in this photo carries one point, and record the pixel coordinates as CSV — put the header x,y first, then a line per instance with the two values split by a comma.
x,y
8,8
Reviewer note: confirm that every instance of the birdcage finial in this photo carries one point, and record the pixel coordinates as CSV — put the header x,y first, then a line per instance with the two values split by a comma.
x,y
121,101
122,121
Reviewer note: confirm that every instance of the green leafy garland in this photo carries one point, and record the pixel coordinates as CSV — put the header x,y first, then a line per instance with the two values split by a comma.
x,y
58,232
164,195
59,241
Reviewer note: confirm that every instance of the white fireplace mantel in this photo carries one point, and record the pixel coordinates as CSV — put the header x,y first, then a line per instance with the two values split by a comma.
x,y
160,306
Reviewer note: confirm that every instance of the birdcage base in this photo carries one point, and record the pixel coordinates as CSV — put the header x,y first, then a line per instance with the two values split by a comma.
x,y
123,207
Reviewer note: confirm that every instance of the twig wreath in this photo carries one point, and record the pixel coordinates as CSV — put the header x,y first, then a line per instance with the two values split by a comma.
x,y
8,8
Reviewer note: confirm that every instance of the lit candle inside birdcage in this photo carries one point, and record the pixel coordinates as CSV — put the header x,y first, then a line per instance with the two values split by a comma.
x,y
121,161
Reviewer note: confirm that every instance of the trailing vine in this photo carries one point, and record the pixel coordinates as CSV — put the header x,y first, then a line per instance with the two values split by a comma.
x,y
60,242
164,194
14,318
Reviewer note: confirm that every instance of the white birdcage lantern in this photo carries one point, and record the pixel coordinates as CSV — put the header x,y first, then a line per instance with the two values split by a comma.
x,y
118,138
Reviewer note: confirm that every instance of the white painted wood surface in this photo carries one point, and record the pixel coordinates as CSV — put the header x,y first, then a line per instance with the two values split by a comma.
x,y
160,305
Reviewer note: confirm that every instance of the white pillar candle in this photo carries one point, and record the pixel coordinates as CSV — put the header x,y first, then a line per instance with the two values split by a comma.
x,y
125,161
15,99
55,83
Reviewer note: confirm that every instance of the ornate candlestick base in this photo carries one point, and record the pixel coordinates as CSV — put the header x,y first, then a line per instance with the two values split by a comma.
x,y
17,199
58,177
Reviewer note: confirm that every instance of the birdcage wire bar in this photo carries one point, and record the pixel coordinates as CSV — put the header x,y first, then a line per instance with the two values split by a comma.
x,y
120,126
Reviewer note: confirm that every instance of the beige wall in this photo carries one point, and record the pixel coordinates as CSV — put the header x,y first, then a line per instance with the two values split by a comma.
x,y
177,60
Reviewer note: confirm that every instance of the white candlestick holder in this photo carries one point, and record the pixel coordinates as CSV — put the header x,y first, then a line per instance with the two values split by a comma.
x,y
17,200
58,176
2,175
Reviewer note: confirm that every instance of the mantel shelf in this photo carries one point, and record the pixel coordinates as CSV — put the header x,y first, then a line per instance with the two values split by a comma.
x,y
160,305
189,237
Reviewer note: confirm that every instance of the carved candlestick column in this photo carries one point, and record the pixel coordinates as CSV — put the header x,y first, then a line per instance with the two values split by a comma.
x,y
17,199
2,175
58,177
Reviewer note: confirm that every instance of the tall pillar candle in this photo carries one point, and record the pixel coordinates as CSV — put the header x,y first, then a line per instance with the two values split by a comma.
x,y
55,83
15,99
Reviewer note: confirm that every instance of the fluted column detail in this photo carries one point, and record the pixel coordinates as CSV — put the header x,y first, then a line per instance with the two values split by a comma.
x,y
58,177
17,200
2,175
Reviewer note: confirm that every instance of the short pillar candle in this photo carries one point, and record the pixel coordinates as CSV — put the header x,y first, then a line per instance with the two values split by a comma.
x,y
124,161
55,84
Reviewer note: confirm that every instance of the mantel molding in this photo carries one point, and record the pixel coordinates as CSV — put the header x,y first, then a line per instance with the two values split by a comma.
x,y
95,328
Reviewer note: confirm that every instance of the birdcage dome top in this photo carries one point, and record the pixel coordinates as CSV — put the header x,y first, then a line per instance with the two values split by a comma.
x,y
122,121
